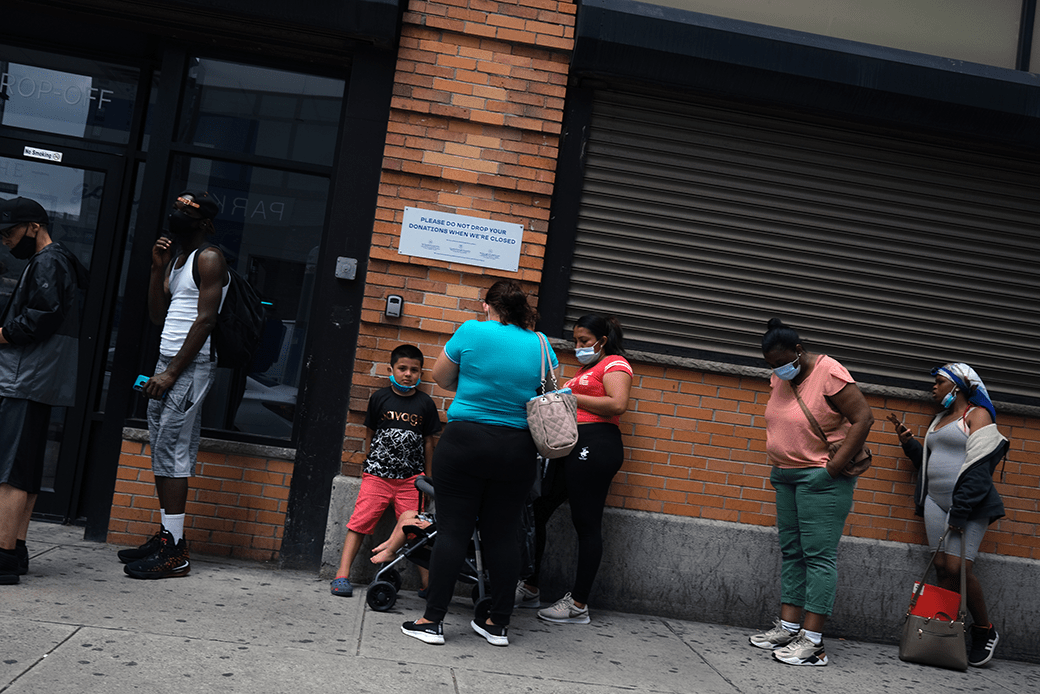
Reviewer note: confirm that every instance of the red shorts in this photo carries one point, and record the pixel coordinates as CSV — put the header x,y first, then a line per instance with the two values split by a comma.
x,y
375,495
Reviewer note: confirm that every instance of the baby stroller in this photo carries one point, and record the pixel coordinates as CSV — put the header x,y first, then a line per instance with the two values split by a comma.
x,y
382,593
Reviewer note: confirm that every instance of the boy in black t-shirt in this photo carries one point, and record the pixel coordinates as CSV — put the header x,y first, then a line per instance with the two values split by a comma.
x,y
402,422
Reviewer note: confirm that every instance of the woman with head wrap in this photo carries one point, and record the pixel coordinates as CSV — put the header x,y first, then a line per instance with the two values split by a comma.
x,y
955,488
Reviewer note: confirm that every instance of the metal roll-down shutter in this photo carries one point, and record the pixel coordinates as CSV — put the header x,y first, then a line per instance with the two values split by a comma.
x,y
700,221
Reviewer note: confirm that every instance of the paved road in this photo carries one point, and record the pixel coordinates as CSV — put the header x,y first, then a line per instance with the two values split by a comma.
x,y
76,623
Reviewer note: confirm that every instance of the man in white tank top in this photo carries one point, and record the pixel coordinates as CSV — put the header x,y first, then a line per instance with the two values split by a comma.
x,y
184,297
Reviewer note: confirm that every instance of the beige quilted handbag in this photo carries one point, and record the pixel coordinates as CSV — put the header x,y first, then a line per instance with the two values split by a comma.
x,y
552,416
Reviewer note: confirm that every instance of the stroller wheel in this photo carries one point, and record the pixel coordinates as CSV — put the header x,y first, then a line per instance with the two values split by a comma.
x,y
381,596
482,611
393,577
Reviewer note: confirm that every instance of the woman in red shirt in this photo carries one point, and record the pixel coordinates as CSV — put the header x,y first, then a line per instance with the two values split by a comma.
x,y
602,386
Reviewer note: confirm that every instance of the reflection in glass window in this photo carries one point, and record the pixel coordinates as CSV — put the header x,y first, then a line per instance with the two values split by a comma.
x,y
270,227
255,110
76,97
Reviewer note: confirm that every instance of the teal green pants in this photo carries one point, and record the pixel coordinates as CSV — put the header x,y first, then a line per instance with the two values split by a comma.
x,y
811,509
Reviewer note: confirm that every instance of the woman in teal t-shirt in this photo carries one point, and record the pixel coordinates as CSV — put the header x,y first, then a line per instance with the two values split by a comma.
x,y
484,463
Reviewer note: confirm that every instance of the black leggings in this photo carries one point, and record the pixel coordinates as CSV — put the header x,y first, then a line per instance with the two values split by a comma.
x,y
484,471
584,477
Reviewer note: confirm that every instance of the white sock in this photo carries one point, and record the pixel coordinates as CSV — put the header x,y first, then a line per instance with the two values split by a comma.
x,y
162,517
175,524
790,626
815,636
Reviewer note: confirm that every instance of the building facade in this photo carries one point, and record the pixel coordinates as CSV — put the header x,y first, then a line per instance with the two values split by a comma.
x,y
869,175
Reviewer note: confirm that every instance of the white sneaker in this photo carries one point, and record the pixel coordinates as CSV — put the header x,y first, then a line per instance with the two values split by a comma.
x,y
564,611
525,597
777,637
802,651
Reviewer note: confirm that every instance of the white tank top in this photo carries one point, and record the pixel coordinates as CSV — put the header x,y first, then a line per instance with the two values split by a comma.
x,y
183,310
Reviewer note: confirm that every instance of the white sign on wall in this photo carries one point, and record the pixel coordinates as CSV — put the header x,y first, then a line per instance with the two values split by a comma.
x,y
458,239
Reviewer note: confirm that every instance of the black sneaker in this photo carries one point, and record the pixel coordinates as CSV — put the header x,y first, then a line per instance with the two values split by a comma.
x,y
146,550
8,569
169,561
494,634
432,632
22,555
983,643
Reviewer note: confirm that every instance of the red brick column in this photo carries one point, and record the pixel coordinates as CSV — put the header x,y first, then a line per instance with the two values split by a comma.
x,y
474,129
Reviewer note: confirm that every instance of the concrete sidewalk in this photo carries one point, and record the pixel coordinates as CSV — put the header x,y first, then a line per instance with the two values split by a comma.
x,y
76,623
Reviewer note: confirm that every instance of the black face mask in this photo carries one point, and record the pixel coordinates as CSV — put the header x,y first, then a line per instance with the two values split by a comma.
x,y
180,223
25,248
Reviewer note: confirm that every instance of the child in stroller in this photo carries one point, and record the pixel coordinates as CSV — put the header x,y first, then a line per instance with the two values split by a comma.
x,y
413,539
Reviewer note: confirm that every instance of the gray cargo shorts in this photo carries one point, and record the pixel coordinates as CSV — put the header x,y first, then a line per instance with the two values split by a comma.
x,y
175,422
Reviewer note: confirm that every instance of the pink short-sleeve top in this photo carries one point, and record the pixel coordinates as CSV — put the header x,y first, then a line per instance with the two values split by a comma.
x,y
791,441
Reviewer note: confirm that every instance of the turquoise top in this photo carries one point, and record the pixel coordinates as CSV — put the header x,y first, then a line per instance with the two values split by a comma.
x,y
498,372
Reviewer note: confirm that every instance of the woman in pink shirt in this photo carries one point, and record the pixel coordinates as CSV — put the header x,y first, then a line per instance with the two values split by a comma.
x,y
813,497
602,386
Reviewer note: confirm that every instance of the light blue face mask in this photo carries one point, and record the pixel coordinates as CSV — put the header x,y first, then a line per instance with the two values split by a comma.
x,y
948,399
788,371
406,389
586,355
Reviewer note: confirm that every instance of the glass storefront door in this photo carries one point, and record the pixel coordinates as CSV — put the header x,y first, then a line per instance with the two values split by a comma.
x,y
270,138
75,188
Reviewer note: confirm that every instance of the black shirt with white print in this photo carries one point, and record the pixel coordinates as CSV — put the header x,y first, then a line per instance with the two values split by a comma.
x,y
399,424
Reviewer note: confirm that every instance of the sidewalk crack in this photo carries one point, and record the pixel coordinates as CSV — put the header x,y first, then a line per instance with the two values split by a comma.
x,y
40,659
704,660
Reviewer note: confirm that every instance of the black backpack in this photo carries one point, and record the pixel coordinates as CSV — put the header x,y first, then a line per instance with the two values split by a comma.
x,y
240,321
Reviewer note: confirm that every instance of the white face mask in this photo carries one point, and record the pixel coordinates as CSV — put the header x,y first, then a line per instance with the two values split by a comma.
x,y
948,399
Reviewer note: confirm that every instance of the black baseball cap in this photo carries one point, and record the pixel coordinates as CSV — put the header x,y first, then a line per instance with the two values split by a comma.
x,y
19,211
202,202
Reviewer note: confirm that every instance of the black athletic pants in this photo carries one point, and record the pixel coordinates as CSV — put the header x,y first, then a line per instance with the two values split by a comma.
x,y
479,471
584,478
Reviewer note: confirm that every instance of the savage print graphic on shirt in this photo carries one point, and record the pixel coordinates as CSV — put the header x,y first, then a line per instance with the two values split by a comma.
x,y
400,425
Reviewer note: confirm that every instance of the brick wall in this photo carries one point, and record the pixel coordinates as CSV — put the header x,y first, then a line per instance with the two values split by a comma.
x,y
236,504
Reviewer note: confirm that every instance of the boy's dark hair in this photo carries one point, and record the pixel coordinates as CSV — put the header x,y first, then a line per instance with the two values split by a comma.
x,y
406,352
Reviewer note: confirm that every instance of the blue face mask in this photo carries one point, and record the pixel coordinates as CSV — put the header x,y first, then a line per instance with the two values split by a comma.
x,y
948,399
405,389
788,371
586,355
